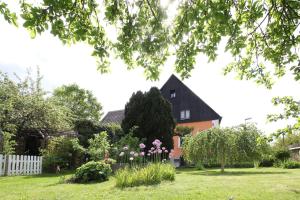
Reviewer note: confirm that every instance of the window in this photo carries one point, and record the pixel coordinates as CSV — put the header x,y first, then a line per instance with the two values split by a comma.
x,y
172,94
185,114
180,142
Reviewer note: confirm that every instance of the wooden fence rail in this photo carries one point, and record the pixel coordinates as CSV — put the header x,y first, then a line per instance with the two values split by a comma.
x,y
11,165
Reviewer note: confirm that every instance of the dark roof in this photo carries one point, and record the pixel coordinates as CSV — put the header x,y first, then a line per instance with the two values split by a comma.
x,y
186,99
113,117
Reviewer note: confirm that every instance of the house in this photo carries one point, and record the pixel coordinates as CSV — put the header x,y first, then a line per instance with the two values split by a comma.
x,y
188,110
295,151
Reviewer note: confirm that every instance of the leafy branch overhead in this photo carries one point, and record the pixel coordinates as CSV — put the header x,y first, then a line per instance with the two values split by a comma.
x,y
262,36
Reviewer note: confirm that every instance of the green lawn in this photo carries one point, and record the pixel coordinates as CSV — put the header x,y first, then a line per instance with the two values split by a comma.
x,y
265,183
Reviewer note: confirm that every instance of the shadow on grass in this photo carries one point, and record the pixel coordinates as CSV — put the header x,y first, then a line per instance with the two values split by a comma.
x,y
234,173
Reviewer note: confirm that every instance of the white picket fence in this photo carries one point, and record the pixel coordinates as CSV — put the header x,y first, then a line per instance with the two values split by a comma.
x,y
20,165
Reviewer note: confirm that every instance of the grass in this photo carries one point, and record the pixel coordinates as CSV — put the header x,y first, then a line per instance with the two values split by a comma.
x,y
240,184
149,175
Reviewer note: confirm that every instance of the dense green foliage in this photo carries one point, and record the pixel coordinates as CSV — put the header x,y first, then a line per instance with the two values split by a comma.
x,y
86,130
98,146
183,130
151,114
225,146
81,102
148,175
282,154
254,31
290,164
25,109
63,152
92,172
7,143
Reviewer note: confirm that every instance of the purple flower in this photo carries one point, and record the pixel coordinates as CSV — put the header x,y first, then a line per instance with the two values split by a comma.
x,y
166,151
132,153
152,148
121,154
159,151
163,148
131,158
136,155
142,153
142,146
125,148
149,151
156,143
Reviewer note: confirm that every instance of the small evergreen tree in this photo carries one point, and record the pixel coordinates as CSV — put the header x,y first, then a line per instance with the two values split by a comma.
x,y
152,114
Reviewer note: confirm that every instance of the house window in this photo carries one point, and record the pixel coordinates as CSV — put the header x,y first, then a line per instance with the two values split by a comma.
x,y
172,94
180,142
185,114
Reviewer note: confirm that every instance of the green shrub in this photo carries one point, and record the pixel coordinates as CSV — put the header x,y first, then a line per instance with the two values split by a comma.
x,y
199,166
282,154
290,164
64,152
92,172
148,175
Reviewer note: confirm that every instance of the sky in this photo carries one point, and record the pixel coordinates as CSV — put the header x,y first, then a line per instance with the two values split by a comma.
x,y
59,64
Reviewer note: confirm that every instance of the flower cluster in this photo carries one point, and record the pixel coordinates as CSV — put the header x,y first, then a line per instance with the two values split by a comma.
x,y
156,153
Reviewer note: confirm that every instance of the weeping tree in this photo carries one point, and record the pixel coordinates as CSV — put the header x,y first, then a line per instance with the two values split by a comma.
x,y
225,146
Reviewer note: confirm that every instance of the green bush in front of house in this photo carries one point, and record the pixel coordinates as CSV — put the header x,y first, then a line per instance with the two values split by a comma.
x,y
149,175
290,164
92,172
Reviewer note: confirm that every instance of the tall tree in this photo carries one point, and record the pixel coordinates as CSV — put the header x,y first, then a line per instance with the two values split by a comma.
x,y
81,102
151,114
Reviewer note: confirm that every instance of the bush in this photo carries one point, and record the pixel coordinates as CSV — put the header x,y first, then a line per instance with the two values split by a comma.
x,y
290,164
267,162
92,172
282,154
149,175
63,152
200,166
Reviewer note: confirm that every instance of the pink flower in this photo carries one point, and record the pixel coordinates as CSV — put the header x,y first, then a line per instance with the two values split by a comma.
x,y
152,148
136,155
148,154
159,151
156,143
142,153
172,150
131,158
163,148
170,155
132,153
166,151
121,154
149,151
142,146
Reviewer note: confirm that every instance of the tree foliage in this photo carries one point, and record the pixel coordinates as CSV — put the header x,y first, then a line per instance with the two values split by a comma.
x,y
225,146
258,34
81,102
23,107
98,146
151,113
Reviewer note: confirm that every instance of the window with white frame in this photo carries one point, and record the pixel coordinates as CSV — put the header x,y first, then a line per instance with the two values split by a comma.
x,y
172,94
185,114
